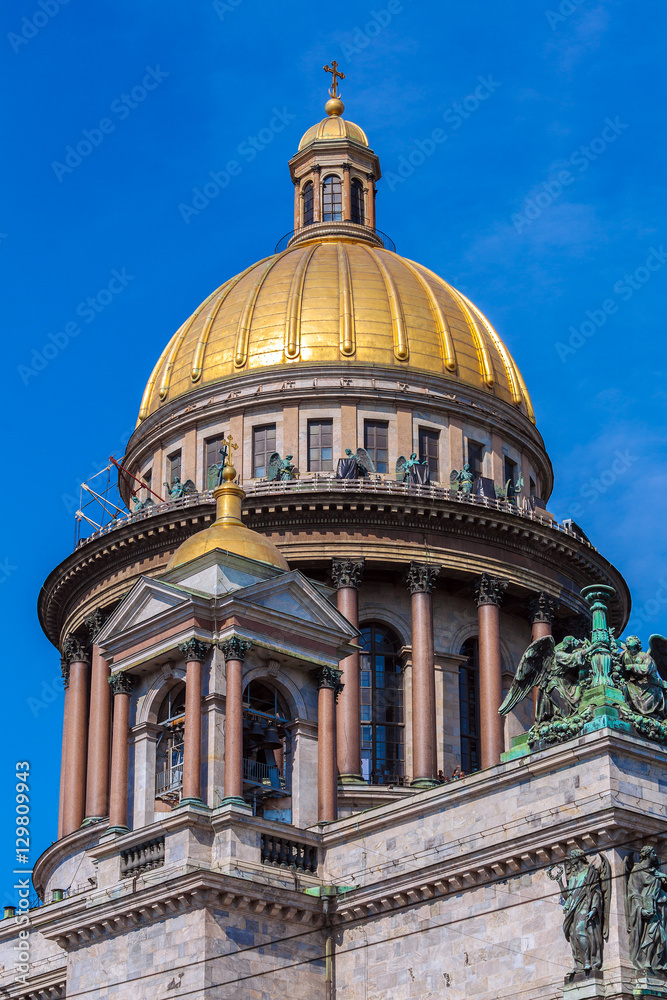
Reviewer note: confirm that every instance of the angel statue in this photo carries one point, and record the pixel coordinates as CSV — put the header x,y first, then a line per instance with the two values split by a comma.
x,y
586,899
464,478
178,490
355,466
510,490
556,671
646,911
140,505
281,468
215,470
413,470
641,676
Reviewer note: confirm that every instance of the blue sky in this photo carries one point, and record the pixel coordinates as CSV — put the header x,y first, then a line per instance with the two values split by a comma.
x,y
544,203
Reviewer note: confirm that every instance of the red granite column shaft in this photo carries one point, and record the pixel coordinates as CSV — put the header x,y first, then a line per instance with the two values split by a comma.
x,y
234,650
121,685
77,737
347,574
99,730
489,596
194,651
63,756
421,579
327,771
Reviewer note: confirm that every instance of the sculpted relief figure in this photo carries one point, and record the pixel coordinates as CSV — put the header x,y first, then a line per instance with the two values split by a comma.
x,y
586,897
640,676
557,671
646,910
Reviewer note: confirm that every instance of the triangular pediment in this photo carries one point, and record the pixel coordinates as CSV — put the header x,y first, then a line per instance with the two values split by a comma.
x,y
292,595
220,572
148,600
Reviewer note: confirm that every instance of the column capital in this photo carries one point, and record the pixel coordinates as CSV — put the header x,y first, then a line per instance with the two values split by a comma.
x,y
421,577
541,608
194,649
74,651
121,683
490,589
328,677
94,623
346,167
347,572
234,648
64,670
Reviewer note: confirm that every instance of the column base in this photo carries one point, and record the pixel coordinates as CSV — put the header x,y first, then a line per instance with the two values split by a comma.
x,y
192,801
424,783
119,830
90,820
351,779
235,800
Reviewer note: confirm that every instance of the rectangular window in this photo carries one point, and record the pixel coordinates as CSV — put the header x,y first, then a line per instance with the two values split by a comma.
x,y
533,487
212,457
174,466
429,447
263,446
510,470
476,458
320,445
376,443
147,477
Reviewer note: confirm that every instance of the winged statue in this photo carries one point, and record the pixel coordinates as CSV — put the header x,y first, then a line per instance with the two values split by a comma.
x,y
411,470
142,504
281,468
178,490
556,671
463,478
355,466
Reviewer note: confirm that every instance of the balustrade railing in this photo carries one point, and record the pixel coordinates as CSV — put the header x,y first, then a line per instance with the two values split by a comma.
x,y
284,853
142,857
267,775
169,780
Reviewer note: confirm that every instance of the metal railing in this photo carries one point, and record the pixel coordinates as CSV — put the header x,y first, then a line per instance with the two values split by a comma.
x,y
169,780
327,483
268,775
340,227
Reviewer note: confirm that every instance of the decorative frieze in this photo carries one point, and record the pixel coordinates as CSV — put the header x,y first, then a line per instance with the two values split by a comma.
x,y
421,577
121,683
194,649
490,589
235,648
347,572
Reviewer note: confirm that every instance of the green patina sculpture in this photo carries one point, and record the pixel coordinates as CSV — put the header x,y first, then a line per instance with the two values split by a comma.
x,y
510,490
557,671
281,468
464,478
140,505
586,898
646,910
178,490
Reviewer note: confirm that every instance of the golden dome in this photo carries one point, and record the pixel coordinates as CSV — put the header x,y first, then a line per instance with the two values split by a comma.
x,y
333,127
342,302
229,533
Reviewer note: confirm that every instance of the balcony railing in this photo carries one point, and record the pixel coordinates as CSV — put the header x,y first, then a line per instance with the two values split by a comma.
x,y
268,776
169,780
327,483
285,853
142,857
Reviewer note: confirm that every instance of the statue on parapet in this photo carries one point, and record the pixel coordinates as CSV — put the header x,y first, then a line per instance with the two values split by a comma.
x,y
215,471
586,899
640,675
281,469
557,671
178,490
646,911
413,470
355,466
510,491
140,505
463,478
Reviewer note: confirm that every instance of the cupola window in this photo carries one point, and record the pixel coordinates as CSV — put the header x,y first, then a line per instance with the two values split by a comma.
x,y
382,750
332,199
320,445
263,446
308,204
357,202
376,443
174,466
476,458
429,448
469,706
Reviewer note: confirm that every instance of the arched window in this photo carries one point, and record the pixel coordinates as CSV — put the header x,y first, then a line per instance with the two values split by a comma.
x,y
382,750
357,202
169,749
308,203
332,199
267,750
469,706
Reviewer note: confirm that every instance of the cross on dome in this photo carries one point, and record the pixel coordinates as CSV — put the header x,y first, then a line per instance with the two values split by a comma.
x,y
333,69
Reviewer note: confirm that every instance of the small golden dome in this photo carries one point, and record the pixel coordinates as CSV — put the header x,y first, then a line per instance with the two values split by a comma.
x,y
333,127
229,533
337,302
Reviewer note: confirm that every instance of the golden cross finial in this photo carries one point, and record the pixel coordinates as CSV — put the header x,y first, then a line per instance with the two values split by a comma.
x,y
228,442
333,69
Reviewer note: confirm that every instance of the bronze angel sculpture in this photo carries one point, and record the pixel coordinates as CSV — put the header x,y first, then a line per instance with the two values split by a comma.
x,y
557,671
412,470
641,675
281,468
355,466
178,490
